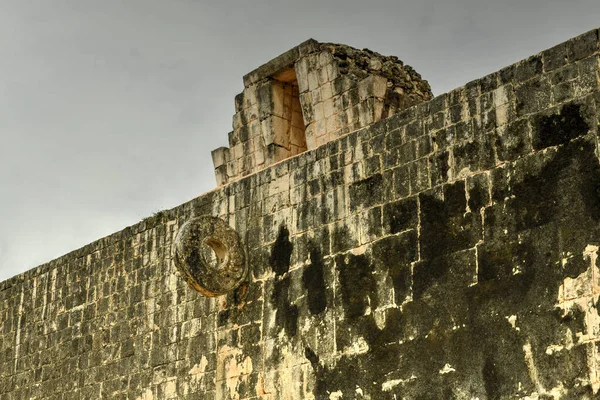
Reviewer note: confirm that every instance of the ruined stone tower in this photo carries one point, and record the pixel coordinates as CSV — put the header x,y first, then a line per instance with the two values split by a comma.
x,y
308,96
365,241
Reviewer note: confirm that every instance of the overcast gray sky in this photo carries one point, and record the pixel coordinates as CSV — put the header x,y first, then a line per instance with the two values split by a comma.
x,y
109,109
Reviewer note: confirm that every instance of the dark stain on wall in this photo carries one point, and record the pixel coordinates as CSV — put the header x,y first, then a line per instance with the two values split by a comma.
x,y
281,253
400,215
367,192
314,281
559,128
357,285
479,192
445,225
394,254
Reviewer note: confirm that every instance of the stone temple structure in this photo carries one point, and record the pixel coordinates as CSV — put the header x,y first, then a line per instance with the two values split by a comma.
x,y
365,241
309,96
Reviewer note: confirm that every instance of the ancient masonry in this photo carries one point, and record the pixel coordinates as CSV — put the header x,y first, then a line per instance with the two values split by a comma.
x,y
365,241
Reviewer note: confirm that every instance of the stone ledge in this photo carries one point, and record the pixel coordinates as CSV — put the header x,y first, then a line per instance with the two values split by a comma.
x,y
280,62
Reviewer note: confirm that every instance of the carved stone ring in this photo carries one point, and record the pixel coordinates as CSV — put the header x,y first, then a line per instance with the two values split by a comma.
x,y
210,255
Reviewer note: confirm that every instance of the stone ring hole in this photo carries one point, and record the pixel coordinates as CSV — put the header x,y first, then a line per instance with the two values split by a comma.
x,y
210,256
220,253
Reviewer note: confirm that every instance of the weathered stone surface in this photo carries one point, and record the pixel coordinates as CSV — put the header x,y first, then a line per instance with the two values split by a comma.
x,y
449,251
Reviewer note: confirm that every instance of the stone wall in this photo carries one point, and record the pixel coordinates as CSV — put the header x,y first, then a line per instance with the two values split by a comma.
x,y
446,252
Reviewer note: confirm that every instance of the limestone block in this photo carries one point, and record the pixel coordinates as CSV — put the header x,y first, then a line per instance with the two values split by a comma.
x,y
333,123
322,76
326,91
252,112
328,108
340,132
378,109
321,127
311,139
272,204
232,169
301,68
392,109
243,133
250,97
279,185
266,128
297,137
323,139
350,116
247,163
316,96
350,173
278,99
350,98
502,115
281,135
259,155
239,102
221,175
288,89
353,97
296,106
332,71
295,150
287,113
342,84
254,129
372,86
319,112
307,108
355,122
325,58
365,114
233,138
238,151
297,120
265,99
276,153
287,108
500,95
338,104
297,194
313,80
313,61
220,156
342,118
247,147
